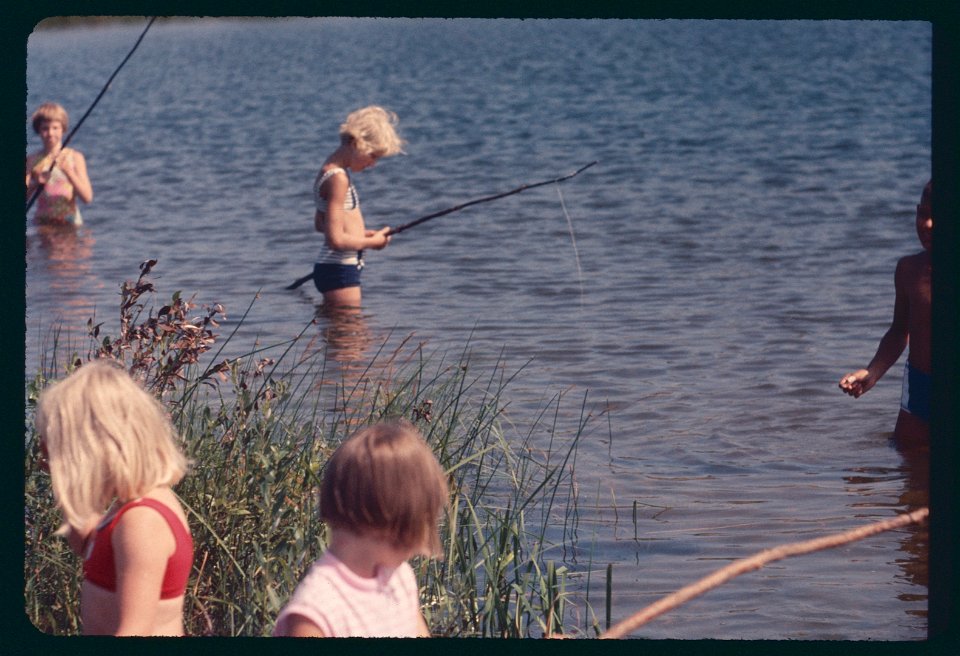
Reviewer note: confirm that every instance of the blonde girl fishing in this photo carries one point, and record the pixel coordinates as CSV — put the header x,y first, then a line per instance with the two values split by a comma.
x,y
366,136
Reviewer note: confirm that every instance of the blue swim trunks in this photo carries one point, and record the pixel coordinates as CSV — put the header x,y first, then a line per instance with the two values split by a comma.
x,y
328,276
917,390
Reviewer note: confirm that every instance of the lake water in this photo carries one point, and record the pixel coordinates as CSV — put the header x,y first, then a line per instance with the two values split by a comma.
x,y
705,285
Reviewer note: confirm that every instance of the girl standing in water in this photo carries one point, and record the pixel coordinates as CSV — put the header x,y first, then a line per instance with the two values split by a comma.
x,y
67,180
366,136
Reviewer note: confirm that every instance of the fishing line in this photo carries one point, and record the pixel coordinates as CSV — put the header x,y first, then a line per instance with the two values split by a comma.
x,y
455,208
83,118
576,252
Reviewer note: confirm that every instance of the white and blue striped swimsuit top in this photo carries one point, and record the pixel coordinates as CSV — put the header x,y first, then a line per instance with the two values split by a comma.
x,y
350,202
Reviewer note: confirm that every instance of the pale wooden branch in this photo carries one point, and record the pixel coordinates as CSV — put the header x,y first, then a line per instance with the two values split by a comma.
x,y
755,562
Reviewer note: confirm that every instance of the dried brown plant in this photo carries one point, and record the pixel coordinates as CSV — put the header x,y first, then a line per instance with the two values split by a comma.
x,y
158,349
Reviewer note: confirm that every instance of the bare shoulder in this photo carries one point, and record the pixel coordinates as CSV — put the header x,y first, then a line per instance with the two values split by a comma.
x,y
334,188
911,266
141,520
144,527
142,538
75,154
331,171
168,497
334,176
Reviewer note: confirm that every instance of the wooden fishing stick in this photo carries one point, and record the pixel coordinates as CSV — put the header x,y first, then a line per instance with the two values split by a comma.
x,y
83,118
406,226
754,562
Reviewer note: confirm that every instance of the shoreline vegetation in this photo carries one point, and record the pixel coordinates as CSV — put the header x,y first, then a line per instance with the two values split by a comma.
x,y
259,429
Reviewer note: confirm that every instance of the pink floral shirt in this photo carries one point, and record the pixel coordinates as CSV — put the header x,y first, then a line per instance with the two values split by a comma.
x,y
57,202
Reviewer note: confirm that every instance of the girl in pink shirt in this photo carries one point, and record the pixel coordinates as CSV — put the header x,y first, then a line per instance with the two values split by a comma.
x,y
382,494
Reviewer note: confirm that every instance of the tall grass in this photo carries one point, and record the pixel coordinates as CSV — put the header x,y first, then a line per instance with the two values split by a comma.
x,y
259,429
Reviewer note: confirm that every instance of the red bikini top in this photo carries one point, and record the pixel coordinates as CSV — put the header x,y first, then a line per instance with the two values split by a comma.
x,y
99,568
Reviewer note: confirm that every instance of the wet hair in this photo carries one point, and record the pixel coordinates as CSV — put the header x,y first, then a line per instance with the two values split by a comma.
x,y
106,438
50,111
371,131
385,481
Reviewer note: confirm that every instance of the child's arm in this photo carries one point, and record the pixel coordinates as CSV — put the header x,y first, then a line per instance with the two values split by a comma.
x,y
424,629
142,544
29,176
34,173
378,238
299,626
334,225
892,344
75,168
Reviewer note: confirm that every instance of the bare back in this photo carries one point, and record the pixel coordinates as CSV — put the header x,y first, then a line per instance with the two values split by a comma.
x,y
100,613
142,611
913,282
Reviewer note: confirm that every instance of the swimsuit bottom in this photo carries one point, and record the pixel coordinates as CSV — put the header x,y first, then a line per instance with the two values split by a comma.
x,y
917,390
328,276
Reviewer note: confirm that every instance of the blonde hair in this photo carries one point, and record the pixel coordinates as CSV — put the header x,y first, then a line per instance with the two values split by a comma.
x,y
385,481
106,438
371,131
50,111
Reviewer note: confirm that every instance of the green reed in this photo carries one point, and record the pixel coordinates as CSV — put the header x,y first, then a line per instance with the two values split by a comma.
x,y
259,428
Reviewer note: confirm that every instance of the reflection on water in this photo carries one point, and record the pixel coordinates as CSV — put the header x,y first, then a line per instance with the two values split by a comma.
x,y
916,472
916,494
913,475
66,251
346,335
62,253
342,343
357,359
715,241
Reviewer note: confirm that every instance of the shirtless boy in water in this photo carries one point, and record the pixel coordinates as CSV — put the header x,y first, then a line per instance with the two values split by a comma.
x,y
911,323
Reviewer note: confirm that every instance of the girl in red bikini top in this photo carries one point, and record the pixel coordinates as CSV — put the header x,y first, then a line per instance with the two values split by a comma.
x,y
104,439
99,566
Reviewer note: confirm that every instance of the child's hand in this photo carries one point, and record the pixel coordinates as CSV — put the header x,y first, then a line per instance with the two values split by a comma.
x,y
39,175
41,170
857,382
66,164
380,238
